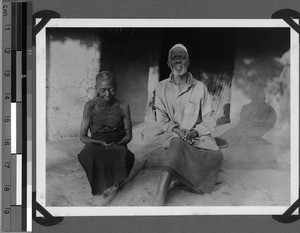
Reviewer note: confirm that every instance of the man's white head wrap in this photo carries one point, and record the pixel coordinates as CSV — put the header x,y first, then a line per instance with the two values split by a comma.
x,y
179,46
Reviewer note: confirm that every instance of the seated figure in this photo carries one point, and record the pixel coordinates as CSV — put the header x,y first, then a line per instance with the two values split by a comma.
x,y
183,110
105,157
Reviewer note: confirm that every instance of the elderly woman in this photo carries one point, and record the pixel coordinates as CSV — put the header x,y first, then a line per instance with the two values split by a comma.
x,y
183,108
105,157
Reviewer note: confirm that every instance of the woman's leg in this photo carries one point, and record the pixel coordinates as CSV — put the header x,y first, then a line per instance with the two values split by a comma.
x,y
163,188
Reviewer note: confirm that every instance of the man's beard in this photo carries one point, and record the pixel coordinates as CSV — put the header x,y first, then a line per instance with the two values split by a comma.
x,y
179,69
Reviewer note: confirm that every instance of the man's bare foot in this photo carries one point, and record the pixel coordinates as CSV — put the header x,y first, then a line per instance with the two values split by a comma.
x,y
219,180
180,184
177,183
158,201
98,200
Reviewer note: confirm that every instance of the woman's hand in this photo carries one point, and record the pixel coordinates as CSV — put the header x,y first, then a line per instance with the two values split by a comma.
x,y
100,142
125,140
103,143
127,125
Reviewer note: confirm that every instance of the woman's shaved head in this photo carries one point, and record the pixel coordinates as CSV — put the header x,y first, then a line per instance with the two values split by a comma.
x,y
105,76
106,85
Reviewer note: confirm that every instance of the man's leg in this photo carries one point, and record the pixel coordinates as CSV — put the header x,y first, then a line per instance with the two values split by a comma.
x,y
163,188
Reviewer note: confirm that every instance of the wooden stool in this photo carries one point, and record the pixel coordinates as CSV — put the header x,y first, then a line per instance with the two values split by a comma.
x,y
222,143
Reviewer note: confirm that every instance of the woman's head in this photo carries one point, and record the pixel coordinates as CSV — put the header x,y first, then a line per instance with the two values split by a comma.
x,y
106,85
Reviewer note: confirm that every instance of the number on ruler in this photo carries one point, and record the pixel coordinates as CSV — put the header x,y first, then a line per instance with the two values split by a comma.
x,y
7,74
7,51
5,10
7,119
6,211
7,188
7,97
7,143
7,27
7,165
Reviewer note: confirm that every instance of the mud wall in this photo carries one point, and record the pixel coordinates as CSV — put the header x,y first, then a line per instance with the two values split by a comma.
x,y
74,57
73,60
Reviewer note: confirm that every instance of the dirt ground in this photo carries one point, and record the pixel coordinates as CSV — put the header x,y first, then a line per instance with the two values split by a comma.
x,y
245,182
67,186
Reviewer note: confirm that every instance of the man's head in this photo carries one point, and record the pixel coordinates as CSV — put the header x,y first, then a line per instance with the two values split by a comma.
x,y
178,59
106,85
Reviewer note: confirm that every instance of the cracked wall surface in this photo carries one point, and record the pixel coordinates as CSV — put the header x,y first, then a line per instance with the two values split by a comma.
x,y
72,65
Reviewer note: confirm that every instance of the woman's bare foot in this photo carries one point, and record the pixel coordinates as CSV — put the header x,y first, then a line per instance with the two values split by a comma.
x,y
109,191
106,196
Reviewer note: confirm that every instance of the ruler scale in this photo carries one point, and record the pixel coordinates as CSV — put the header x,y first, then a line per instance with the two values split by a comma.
x,y
6,100
16,106
27,145
14,79
24,110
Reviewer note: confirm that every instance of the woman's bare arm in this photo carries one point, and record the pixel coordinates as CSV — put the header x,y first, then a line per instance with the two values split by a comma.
x,y
83,134
127,125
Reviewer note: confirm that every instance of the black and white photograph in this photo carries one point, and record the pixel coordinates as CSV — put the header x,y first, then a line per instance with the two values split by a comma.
x,y
167,117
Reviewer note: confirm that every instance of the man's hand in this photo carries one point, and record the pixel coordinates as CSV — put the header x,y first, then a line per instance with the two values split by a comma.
x,y
180,132
190,135
186,135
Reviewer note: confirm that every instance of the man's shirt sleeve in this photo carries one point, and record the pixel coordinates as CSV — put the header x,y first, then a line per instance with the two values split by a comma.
x,y
163,120
208,123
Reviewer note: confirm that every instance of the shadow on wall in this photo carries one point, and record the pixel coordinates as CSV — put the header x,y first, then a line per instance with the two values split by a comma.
x,y
256,119
261,94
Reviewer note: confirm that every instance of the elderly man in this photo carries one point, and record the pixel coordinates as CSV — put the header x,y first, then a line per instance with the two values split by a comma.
x,y
183,107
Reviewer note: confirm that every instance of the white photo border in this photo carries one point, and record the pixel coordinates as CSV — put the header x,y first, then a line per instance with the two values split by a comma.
x,y
162,23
